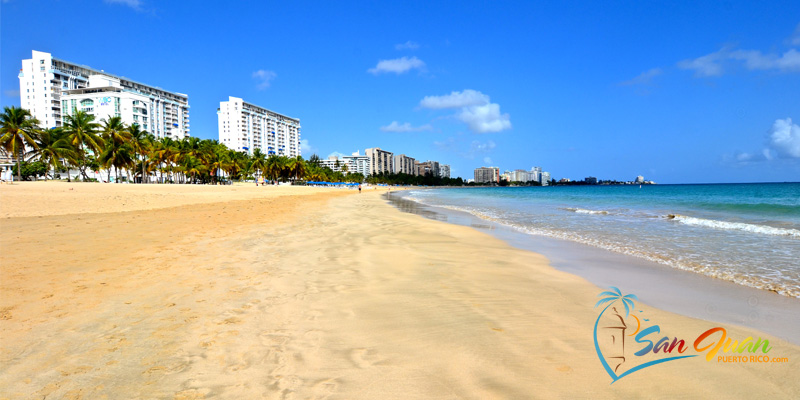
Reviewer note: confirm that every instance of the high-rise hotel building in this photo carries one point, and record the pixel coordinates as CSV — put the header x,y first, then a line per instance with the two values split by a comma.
x,y
246,127
51,89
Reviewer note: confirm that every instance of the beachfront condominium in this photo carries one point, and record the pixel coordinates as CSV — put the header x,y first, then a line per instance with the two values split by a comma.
x,y
444,171
428,167
245,127
404,165
487,175
357,163
380,161
51,89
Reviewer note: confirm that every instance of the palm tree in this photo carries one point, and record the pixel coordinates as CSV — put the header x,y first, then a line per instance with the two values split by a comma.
x,y
51,147
297,167
117,155
259,162
275,166
114,129
140,142
82,134
18,128
193,166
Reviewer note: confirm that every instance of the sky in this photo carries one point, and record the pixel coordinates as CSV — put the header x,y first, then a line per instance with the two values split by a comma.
x,y
678,92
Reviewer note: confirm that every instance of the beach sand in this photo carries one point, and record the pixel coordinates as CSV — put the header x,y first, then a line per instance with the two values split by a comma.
x,y
189,292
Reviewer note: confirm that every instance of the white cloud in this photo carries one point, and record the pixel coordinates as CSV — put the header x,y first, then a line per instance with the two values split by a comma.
x,y
264,77
487,160
11,92
305,147
795,38
485,118
135,4
712,64
477,111
466,98
409,45
784,138
479,147
643,78
336,154
708,65
753,59
406,127
398,65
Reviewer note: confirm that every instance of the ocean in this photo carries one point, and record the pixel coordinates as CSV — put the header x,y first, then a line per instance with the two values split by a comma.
x,y
744,233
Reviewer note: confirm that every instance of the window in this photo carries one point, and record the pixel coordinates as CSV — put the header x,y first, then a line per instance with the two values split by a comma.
x,y
87,102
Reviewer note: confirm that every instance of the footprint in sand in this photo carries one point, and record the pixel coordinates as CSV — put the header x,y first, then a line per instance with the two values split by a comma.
x,y
363,358
324,388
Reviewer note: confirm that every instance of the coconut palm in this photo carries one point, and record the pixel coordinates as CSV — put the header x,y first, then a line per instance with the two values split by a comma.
x,y
259,164
140,142
297,167
114,129
18,128
192,165
52,146
82,134
118,155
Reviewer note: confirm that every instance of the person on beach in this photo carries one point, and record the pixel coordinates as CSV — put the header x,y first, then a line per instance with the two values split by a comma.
x,y
359,188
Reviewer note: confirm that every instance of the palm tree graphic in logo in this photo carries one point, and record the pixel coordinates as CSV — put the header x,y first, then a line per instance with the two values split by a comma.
x,y
609,335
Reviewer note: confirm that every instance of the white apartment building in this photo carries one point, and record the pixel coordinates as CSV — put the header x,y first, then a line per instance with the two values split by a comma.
x,y
380,161
335,164
357,163
520,175
46,82
246,127
444,171
404,164
104,98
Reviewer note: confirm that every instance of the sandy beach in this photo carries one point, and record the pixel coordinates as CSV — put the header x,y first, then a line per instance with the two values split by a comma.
x,y
192,292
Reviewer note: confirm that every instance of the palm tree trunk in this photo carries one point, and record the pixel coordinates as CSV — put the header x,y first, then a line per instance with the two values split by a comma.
x,y
19,165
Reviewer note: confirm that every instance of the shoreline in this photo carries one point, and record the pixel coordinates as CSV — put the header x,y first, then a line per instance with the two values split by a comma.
x,y
299,294
683,292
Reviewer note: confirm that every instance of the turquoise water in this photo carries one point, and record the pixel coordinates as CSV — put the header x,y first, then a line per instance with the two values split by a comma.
x,y
745,233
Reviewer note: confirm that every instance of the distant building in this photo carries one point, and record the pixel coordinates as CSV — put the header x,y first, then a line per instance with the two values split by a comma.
x,y
246,127
564,180
545,178
431,167
536,174
380,161
334,163
487,175
357,163
520,175
404,164
444,171
590,180
640,179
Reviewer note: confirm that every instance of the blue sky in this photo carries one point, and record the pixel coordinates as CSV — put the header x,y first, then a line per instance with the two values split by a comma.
x,y
679,92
